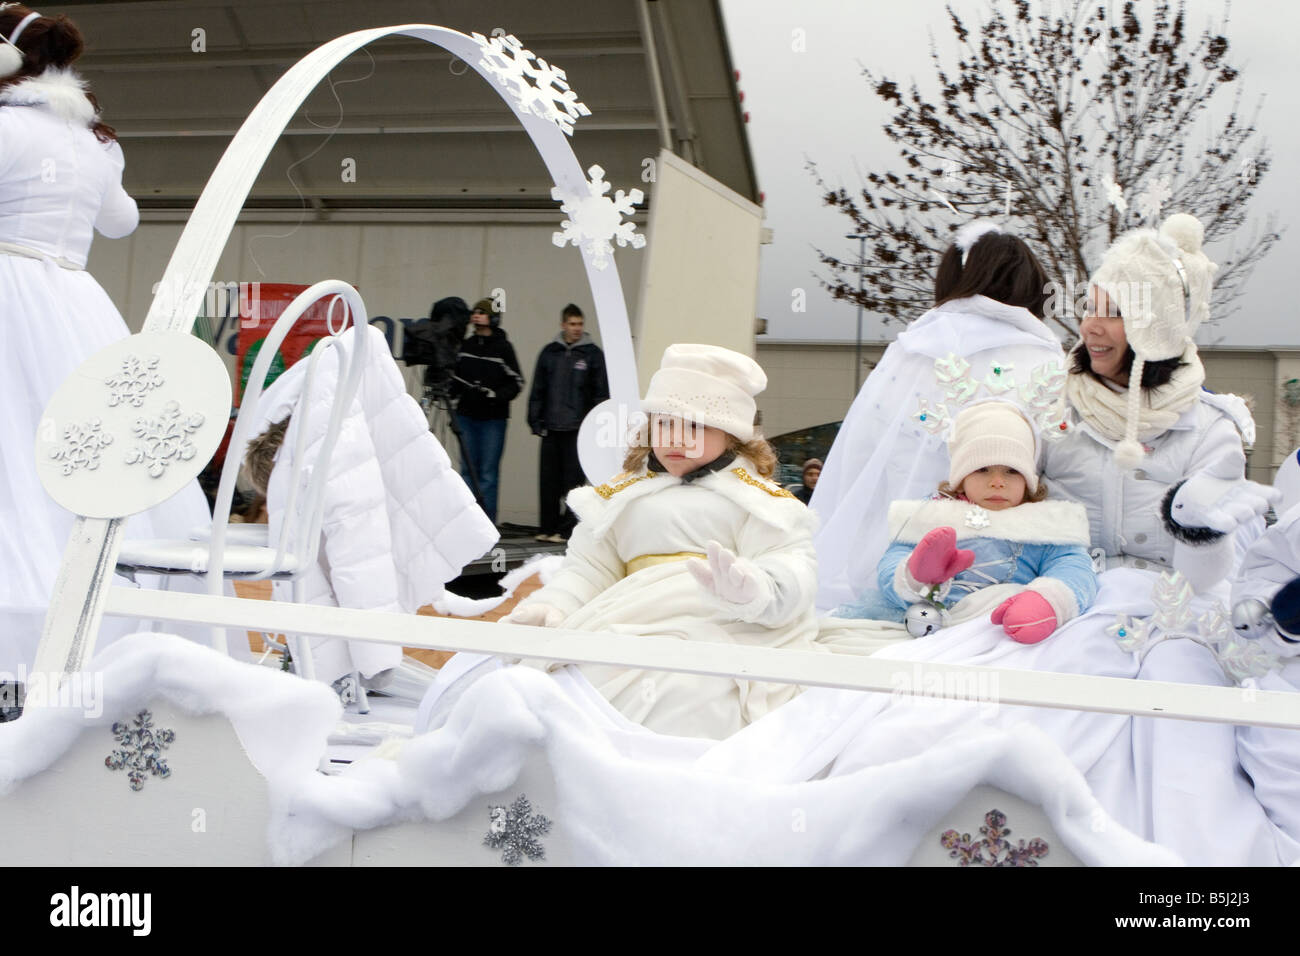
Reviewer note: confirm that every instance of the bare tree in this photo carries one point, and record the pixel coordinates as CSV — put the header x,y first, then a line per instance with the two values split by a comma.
x,y
1044,112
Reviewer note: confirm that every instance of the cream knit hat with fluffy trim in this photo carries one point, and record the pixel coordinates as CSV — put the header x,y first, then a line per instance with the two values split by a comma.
x,y
1160,283
992,433
709,385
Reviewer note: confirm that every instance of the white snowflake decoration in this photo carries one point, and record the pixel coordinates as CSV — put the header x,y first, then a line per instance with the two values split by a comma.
x,y
976,518
1115,195
933,420
164,439
595,219
999,378
1042,398
1154,197
1240,659
537,86
1128,634
81,446
134,382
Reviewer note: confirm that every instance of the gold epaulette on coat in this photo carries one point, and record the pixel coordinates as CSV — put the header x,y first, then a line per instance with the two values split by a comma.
x,y
776,491
606,491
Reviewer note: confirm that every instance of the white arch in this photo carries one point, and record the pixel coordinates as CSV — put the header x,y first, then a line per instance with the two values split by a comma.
x,y
201,243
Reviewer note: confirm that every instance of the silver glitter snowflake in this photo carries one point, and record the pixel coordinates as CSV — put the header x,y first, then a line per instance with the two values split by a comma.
x,y
140,750
976,518
136,379
164,440
81,446
536,86
595,219
516,832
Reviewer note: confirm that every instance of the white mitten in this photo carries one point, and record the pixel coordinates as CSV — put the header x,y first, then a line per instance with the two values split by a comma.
x,y
731,578
1219,498
537,615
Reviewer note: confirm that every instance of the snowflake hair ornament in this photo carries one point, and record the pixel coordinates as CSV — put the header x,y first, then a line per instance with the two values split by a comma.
x,y
595,219
536,86
1041,399
1153,199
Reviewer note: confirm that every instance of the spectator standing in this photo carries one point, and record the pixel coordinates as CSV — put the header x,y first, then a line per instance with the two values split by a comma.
x,y
568,383
812,470
487,380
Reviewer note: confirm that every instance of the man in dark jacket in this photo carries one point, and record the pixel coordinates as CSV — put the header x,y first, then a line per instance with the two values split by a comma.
x,y
568,383
486,380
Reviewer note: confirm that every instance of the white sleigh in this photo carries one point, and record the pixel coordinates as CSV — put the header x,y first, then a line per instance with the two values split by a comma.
x,y
219,762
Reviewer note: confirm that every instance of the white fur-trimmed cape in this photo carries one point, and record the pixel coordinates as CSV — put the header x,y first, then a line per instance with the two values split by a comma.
x,y
1042,522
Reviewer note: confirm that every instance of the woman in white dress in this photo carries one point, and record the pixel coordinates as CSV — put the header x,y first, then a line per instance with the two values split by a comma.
x,y
990,293
60,180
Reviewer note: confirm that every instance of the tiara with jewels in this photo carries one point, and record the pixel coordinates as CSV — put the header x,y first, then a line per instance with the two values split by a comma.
x,y
1041,398
1239,658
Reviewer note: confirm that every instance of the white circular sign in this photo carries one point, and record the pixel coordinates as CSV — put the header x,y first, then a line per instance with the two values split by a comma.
x,y
135,423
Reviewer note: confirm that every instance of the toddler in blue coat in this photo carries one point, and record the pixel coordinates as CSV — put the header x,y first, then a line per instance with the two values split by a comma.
x,y
989,525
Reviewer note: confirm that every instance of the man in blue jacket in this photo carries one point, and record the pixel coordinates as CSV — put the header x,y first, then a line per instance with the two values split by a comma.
x,y
568,383
486,381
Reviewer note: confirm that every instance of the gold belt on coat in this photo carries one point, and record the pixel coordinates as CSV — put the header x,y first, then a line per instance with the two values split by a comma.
x,y
643,561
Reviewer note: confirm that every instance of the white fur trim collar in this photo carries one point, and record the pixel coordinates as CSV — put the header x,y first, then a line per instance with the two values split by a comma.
x,y
1042,522
61,91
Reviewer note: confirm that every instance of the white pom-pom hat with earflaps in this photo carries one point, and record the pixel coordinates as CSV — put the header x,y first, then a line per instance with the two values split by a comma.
x,y
1160,282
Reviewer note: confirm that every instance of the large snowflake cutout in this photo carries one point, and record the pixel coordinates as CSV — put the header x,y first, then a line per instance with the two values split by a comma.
x,y
993,842
537,86
516,832
595,219
140,747
164,440
1041,398
81,446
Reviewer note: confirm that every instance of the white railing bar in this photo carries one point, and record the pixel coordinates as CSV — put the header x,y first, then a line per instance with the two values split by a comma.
x,y
1109,695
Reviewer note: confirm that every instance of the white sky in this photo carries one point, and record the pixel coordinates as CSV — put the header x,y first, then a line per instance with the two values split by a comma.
x,y
816,105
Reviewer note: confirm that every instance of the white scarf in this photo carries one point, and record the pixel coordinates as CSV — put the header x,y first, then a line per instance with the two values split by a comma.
x,y
1106,410
59,90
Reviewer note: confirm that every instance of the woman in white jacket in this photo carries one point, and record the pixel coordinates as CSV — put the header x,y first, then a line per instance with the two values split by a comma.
x,y
60,182
990,292
692,541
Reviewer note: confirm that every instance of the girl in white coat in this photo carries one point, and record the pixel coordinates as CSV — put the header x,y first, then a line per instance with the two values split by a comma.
x,y
60,181
990,292
692,541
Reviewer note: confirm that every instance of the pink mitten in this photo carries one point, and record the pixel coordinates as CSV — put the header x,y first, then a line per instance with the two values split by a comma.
x,y
1026,617
936,558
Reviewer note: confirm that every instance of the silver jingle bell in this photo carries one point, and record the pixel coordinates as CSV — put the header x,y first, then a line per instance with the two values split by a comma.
x,y
923,619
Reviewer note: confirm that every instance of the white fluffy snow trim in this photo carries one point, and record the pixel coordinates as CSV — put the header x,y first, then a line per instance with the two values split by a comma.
x,y
1058,594
906,586
62,91
1042,522
542,565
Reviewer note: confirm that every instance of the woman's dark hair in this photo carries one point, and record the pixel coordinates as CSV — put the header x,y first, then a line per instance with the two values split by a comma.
x,y
1154,373
48,41
999,266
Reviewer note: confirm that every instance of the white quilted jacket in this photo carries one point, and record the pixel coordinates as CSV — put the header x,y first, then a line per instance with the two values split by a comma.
x,y
398,521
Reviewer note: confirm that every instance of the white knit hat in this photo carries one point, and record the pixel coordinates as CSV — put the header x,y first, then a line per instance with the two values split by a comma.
x,y
709,385
1160,282
992,433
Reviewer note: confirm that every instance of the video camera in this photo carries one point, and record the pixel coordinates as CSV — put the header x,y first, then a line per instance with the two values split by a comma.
x,y
435,342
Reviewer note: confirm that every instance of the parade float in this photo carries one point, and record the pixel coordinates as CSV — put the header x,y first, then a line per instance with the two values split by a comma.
x,y
161,751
